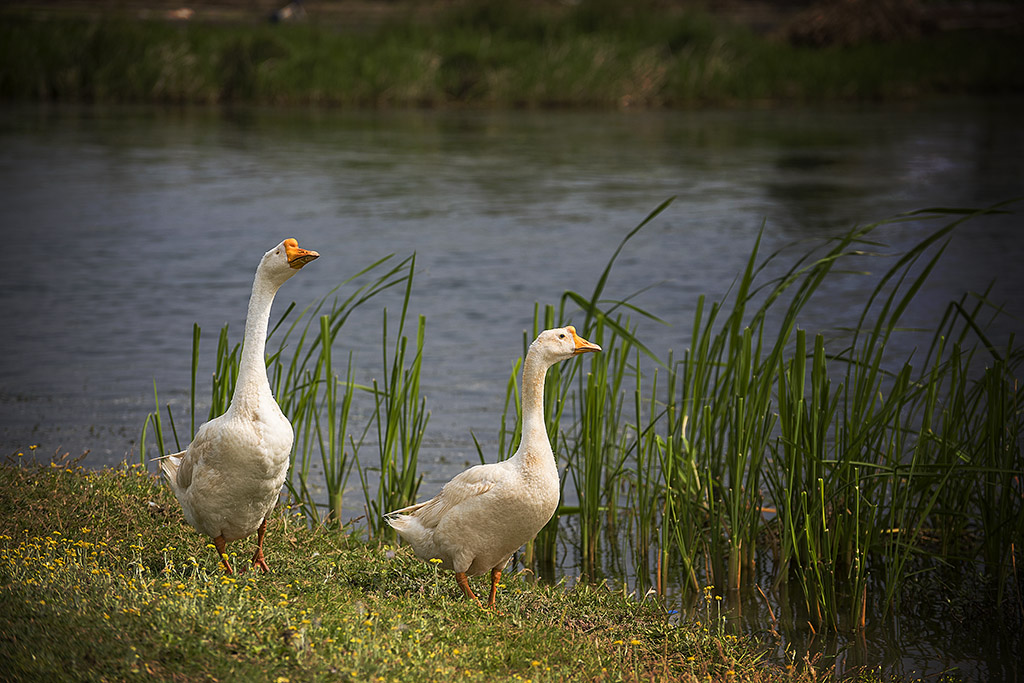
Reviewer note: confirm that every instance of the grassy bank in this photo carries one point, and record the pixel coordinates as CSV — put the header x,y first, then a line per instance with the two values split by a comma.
x,y
593,53
101,579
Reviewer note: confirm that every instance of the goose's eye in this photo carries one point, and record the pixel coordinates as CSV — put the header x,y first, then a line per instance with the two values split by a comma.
x,y
561,336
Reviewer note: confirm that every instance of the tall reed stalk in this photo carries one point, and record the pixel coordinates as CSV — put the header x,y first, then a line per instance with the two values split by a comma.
x,y
399,420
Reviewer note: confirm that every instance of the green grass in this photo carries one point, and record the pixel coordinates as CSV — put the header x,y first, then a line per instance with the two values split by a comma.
x,y
593,54
101,579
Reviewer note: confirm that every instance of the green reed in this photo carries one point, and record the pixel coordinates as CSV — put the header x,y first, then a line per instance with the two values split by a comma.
x,y
399,419
315,397
723,406
322,409
599,449
641,502
595,456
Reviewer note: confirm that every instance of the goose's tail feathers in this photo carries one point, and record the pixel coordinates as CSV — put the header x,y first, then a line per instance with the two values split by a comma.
x,y
169,464
389,516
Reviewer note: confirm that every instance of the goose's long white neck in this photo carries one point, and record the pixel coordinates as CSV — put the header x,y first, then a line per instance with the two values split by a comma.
x,y
535,448
252,384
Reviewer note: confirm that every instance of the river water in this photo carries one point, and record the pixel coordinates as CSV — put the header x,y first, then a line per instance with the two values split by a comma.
x,y
124,226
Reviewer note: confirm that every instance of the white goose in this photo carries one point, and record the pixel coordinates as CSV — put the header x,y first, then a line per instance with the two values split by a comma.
x,y
486,513
229,478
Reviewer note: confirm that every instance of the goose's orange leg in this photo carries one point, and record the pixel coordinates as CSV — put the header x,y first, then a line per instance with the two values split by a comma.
x,y
222,552
463,581
257,559
495,578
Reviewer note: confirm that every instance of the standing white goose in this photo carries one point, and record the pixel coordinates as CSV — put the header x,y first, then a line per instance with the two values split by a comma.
x,y
229,478
486,513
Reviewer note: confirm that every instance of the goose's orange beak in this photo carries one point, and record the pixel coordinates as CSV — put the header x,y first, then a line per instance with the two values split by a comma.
x,y
298,257
582,345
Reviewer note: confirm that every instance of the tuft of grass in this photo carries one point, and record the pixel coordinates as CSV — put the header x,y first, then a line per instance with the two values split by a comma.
x,y
101,579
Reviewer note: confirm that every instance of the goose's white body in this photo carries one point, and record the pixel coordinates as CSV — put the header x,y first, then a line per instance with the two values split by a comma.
x,y
486,513
229,478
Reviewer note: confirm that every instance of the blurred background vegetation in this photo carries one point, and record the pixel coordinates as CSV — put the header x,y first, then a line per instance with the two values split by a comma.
x,y
544,53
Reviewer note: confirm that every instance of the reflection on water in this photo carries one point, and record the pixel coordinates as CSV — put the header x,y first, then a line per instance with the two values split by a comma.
x,y
128,225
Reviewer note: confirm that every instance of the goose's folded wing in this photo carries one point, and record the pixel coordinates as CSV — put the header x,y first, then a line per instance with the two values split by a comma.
x,y
198,451
474,482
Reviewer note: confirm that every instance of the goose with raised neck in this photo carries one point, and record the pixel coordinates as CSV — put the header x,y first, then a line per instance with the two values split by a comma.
x,y
229,478
487,512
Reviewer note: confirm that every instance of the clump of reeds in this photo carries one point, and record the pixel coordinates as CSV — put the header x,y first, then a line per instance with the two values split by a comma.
x,y
842,461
